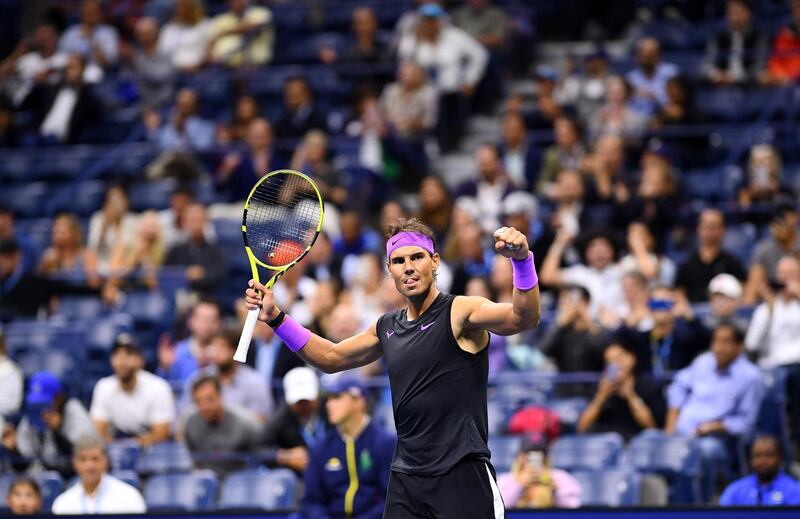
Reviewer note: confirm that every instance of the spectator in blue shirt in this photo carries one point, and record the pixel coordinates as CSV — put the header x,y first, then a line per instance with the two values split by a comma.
x,y
715,399
95,41
177,362
185,130
649,79
348,471
768,485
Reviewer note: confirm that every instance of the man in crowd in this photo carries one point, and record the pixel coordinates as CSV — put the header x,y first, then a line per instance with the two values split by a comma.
x,y
204,261
178,362
768,485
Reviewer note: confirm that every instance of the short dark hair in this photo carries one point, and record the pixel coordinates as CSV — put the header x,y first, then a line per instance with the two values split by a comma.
x,y
594,234
624,344
26,481
744,3
738,334
206,300
411,225
768,438
230,336
586,296
207,379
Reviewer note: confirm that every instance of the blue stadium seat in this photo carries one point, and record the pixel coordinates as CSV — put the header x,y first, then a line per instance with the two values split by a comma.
x,y
188,492
165,458
123,455
568,410
16,166
229,232
148,308
27,200
151,194
130,477
674,457
586,452
259,490
740,240
80,308
609,488
504,450
772,417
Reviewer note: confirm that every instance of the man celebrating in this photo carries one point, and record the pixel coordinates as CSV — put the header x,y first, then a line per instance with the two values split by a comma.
x,y
437,359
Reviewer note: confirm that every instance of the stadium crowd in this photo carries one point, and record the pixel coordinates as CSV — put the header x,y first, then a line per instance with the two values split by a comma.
x,y
652,165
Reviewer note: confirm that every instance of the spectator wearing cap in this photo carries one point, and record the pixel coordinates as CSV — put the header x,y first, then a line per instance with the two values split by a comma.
x,y
97,492
348,469
298,425
676,337
708,259
132,402
736,53
520,158
716,399
768,485
51,424
783,239
533,483
649,78
216,433
624,402
490,187
454,59
725,299
11,381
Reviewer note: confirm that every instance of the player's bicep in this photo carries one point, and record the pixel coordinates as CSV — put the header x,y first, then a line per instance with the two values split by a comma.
x,y
353,352
487,315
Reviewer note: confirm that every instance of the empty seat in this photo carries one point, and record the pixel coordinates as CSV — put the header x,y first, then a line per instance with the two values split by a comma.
x,y
128,476
609,488
188,492
674,457
569,410
151,194
586,452
27,199
165,458
504,450
148,308
123,455
259,490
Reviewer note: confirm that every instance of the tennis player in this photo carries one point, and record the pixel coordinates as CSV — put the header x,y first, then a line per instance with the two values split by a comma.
x,y
436,355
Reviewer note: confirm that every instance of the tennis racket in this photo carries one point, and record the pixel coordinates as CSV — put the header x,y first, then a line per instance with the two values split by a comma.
x,y
282,218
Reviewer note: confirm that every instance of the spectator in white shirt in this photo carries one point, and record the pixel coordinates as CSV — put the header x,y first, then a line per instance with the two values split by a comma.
x,y
95,41
456,62
132,402
11,383
185,38
97,492
243,35
35,59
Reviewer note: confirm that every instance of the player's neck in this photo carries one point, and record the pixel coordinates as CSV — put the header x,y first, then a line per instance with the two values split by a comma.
x,y
416,306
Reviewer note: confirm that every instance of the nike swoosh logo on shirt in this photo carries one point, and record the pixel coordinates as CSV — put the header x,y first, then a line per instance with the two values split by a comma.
x,y
426,326
389,333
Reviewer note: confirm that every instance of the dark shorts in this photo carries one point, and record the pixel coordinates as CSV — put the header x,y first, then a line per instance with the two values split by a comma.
x,y
468,491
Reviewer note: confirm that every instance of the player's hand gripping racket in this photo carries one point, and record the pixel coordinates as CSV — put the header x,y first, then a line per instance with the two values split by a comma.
x,y
282,219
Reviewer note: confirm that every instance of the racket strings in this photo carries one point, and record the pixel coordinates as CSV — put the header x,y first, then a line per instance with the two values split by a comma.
x,y
282,218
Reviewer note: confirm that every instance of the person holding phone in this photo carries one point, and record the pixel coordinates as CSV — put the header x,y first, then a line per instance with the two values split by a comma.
x,y
623,403
532,483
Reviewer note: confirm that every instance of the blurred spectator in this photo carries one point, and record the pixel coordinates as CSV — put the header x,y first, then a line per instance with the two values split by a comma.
x,y
408,21
623,403
367,45
173,217
24,497
299,113
635,313
782,240
9,134
356,238
67,257
725,299
147,66
784,61
63,110
97,492
532,483
520,210
204,261
239,170
598,272
768,485
568,193
520,158
214,433
618,115
185,38
93,40
312,157
475,259
643,256
716,398
676,337
435,206
50,426
486,23
348,469
135,264
176,363
576,341
242,36
585,88
490,187
184,130
242,387
649,79
132,402
365,291
456,61
764,184
111,227
298,425
245,111
567,152
736,54
679,108
709,259
11,383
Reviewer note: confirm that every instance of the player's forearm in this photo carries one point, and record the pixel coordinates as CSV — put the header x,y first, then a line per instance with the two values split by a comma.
x,y
320,353
526,307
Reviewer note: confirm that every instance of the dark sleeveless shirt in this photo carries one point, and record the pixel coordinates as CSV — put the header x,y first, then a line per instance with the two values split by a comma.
x,y
438,391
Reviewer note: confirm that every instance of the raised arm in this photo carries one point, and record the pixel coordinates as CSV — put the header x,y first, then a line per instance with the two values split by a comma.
x,y
321,353
524,310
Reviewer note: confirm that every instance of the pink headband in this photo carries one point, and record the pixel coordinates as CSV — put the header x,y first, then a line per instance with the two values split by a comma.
x,y
404,239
